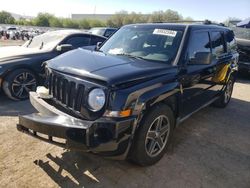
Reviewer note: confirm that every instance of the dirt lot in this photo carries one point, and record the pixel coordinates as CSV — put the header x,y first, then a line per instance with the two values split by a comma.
x,y
210,149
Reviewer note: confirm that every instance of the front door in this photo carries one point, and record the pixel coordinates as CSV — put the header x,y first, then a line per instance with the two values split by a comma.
x,y
197,74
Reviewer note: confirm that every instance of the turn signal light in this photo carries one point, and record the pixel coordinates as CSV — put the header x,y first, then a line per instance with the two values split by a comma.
x,y
124,113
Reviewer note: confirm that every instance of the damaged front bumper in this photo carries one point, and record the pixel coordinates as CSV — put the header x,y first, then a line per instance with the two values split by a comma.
x,y
108,137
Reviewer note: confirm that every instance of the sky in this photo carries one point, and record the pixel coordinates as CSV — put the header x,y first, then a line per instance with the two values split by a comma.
x,y
215,10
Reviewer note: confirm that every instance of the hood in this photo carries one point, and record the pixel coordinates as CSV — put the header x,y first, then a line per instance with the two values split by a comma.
x,y
16,52
108,68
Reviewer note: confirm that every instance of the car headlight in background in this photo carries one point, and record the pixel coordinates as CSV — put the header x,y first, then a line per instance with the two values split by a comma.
x,y
96,99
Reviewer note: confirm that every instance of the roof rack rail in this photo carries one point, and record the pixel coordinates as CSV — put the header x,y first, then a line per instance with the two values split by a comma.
x,y
206,22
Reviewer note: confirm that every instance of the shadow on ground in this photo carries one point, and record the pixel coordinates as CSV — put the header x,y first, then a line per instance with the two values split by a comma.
x,y
14,108
205,152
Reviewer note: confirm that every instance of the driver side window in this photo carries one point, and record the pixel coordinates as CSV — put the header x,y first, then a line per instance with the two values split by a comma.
x,y
199,47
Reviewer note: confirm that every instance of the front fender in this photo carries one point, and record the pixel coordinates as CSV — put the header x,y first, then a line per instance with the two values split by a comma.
x,y
152,97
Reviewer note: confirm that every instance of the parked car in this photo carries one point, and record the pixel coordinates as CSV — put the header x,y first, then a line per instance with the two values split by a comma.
x,y
103,31
21,66
125,99
244,51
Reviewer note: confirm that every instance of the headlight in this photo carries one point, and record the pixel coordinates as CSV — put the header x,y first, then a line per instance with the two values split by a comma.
x,y
96,99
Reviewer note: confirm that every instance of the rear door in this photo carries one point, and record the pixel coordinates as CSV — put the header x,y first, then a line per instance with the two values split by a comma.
x,y
220,57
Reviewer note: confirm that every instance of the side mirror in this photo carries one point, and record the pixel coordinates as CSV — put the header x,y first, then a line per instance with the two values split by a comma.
x,y
201,58
64,48
98,45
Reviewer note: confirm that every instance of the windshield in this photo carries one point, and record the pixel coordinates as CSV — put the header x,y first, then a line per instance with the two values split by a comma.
x,y
45,41
151,43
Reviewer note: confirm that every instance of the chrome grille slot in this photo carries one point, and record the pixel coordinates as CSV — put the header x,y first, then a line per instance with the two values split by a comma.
x,y
71,96
66,92
79,97
58,88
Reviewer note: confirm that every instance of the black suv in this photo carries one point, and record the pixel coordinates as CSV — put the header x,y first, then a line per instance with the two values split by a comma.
x,y
124,99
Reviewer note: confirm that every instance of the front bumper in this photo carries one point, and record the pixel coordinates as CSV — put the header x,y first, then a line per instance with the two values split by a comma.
x,y
107,137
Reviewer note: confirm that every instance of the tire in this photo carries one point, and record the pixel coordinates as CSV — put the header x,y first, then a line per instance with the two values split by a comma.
x,y
145,148
18,83
226,95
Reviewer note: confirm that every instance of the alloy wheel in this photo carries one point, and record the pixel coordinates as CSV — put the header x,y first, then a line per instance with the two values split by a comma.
x,y
157,136
22,84
228,91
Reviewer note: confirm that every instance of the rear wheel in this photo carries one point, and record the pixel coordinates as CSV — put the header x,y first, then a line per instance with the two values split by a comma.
x,y
153,136
226,94
19,83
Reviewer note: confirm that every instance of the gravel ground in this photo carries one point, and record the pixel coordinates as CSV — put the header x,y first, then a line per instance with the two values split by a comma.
x,y
210,149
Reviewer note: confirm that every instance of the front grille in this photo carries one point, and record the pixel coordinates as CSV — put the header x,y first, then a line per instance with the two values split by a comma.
x,y
65,91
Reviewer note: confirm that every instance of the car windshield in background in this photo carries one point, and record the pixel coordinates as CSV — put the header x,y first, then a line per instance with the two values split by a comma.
x,y
154,44
45,41
241,33
97,31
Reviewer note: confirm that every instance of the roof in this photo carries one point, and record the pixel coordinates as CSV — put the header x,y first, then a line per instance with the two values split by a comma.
x,y
103,28
66,31
181,25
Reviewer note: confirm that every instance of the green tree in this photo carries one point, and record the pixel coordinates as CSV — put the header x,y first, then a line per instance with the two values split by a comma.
x,y
165,16
157,16
117,20
84,24
55,22
69,23
6,18
96,23
231,21
172,16
43,19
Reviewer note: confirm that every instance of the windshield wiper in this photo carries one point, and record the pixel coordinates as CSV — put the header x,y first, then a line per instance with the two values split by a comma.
x,y
29,42
41,46
129,55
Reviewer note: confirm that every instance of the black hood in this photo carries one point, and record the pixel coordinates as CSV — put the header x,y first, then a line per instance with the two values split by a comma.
x,y
108,68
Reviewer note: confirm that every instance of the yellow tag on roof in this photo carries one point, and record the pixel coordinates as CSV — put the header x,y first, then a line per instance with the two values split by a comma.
x,y
165,32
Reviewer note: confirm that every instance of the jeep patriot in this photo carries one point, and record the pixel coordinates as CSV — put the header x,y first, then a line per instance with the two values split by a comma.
x,y
124,99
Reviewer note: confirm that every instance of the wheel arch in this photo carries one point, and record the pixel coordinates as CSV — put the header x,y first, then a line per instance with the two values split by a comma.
x,y
18,67
168,95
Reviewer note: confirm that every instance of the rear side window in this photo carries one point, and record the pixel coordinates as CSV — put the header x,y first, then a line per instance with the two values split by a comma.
x,y
199,44
230,41
217,42
79,41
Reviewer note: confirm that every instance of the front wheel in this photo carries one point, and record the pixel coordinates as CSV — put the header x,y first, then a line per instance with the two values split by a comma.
x,y
153,136
19,83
